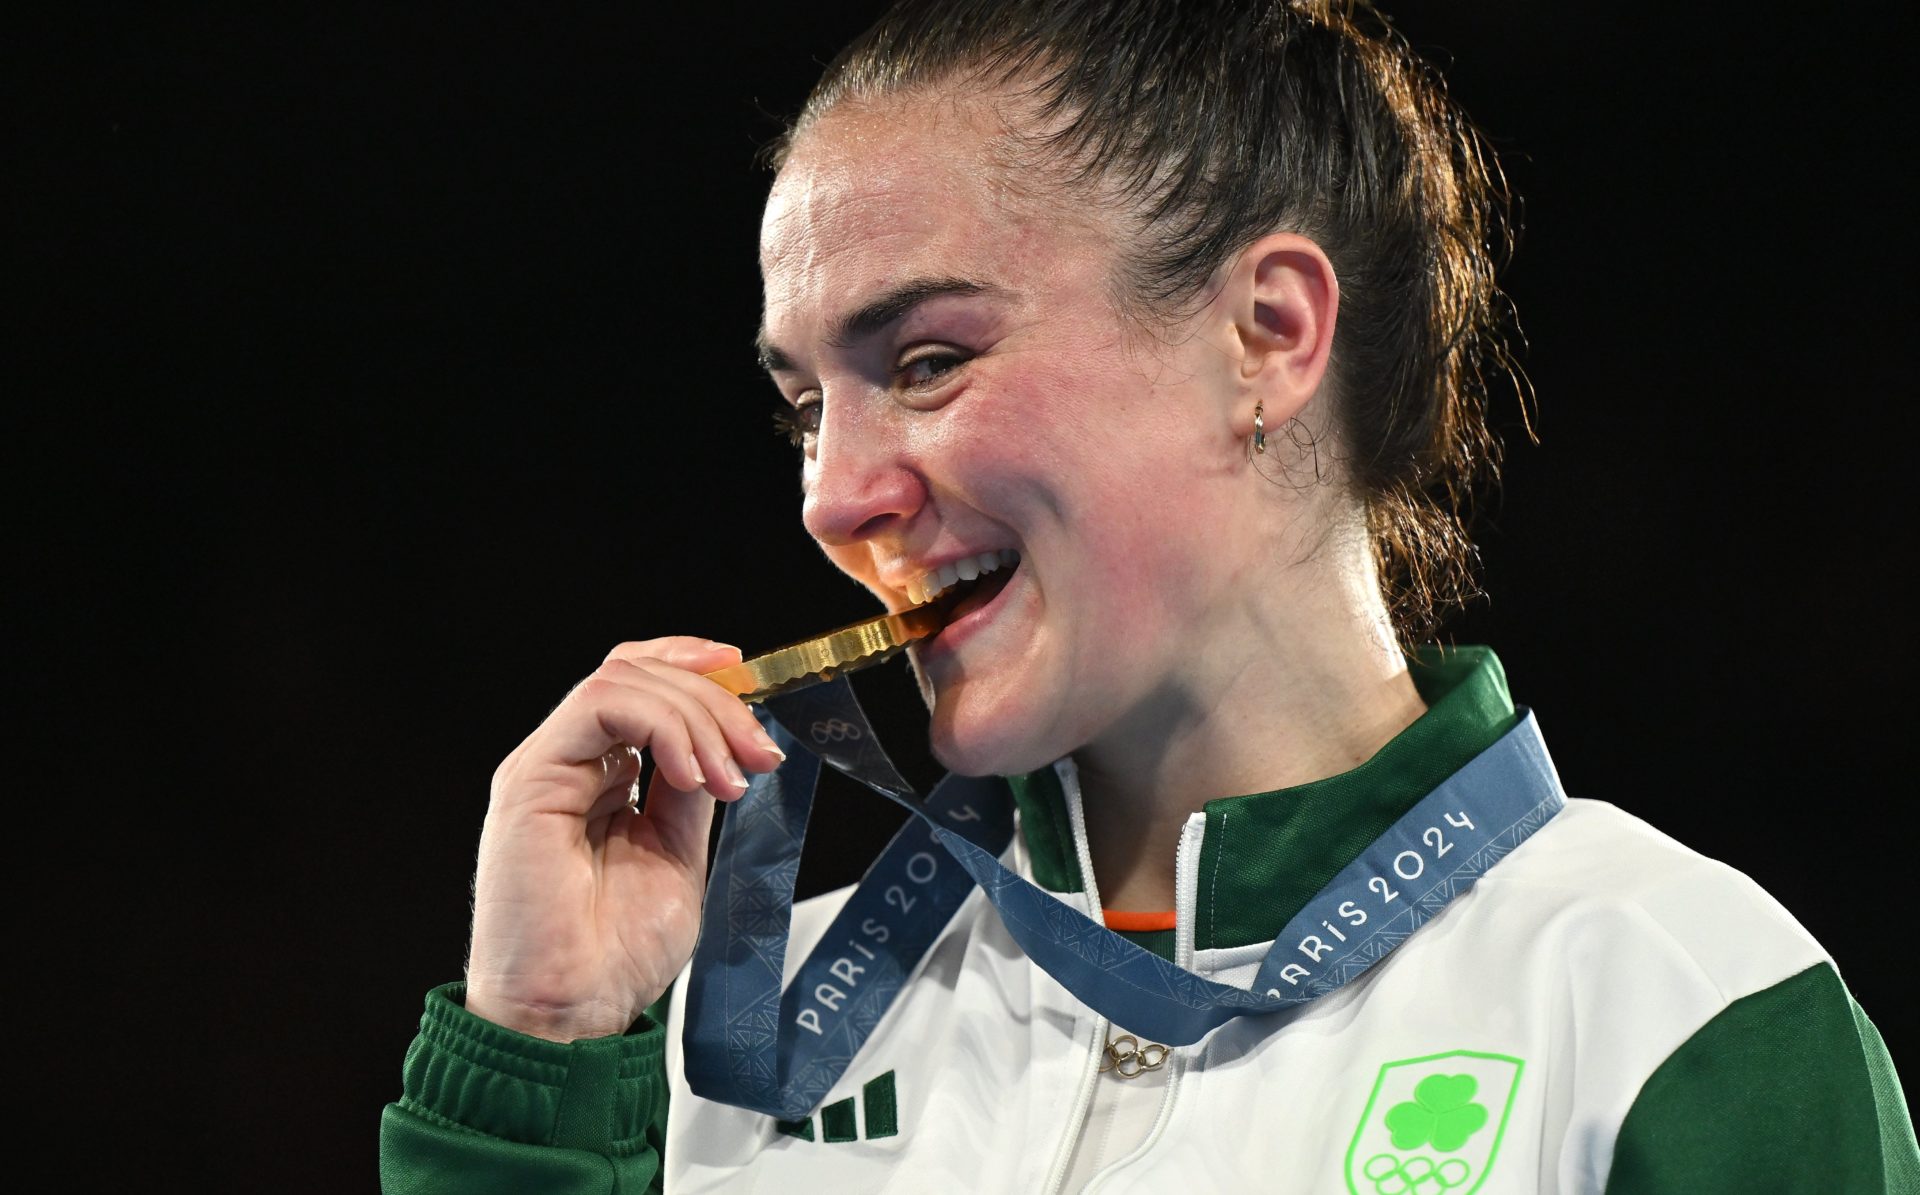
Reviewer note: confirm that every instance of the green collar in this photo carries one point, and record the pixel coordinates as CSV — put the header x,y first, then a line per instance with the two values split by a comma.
x,y
1288,844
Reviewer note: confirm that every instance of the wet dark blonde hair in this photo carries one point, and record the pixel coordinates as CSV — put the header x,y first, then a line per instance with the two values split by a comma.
x,y
1221,121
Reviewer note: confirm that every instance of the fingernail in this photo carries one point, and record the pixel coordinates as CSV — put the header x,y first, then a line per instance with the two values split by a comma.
x,y
699,777
716,645
733,774
767,743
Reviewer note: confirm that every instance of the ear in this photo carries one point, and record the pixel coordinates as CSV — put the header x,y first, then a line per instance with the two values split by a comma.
x,y
1281,297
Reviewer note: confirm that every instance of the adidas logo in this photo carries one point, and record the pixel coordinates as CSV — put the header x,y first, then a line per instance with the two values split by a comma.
x,y
879,1116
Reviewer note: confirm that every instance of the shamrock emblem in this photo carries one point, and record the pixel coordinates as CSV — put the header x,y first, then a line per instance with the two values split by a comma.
x,y
1441,1111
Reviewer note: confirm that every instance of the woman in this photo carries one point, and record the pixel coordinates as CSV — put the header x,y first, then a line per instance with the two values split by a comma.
x,y
1173,321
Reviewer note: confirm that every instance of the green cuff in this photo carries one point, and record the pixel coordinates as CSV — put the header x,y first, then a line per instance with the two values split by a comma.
x,y
596,1095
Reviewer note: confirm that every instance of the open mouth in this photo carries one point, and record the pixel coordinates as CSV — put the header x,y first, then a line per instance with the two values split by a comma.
x,y
959,589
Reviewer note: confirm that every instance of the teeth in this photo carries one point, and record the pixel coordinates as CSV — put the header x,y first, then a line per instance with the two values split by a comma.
x,y
932,584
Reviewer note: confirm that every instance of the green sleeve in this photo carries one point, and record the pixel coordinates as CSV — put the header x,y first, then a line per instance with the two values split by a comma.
x,y
484,1109
1789,1089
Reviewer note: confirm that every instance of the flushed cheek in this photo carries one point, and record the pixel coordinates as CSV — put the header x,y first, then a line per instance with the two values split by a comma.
x,y
1127,588
1086,545
1030,686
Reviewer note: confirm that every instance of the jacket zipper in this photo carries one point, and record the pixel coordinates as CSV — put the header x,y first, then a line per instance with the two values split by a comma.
x,y
1096,1042
1186,886
1186,889
1186,875
1082,1105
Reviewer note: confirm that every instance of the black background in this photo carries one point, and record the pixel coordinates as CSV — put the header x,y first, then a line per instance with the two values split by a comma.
x,y
379,372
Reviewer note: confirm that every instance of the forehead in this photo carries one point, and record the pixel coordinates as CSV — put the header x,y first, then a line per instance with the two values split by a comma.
x,y
873,194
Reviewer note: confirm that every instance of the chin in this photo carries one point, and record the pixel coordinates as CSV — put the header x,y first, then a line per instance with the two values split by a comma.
x,y
987,742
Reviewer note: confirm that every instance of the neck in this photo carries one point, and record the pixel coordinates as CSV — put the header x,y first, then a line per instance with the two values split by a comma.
x,y
1306,683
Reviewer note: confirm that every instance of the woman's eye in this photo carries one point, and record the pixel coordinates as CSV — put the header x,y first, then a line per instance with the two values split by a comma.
x,y
798,422
929,367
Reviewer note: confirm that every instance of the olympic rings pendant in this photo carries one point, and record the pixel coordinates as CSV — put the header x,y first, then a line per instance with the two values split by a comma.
x,y
1127,1058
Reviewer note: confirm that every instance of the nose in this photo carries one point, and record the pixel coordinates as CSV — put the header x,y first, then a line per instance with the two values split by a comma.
x,y
860,481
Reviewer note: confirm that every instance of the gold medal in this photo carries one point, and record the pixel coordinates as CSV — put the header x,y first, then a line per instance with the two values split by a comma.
x,y
824,657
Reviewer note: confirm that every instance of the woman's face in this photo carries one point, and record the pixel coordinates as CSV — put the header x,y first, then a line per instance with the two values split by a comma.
x,y
976,392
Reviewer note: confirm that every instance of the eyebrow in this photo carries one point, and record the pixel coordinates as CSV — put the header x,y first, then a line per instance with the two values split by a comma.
x,y
874,316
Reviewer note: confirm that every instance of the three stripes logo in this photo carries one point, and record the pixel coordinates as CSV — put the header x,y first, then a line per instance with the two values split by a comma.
x,y
878,1116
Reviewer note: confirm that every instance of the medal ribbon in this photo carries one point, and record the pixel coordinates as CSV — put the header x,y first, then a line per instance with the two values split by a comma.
x,y
750,1044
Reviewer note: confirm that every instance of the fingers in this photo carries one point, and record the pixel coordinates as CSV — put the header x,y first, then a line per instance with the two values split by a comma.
x,y
745,739
652,704
682,820
682,651
700,736
691,657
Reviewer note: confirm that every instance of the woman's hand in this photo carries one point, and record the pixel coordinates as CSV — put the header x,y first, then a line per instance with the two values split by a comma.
x,y
584,909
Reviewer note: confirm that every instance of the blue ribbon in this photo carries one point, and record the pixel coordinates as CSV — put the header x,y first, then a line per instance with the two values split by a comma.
x,y
749,1044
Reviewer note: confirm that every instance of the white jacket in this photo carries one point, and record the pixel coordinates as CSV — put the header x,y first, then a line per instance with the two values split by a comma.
x,y
1559,984
1605,1011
